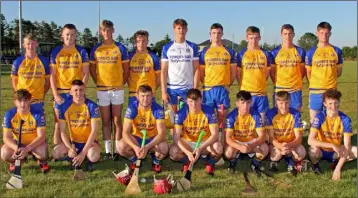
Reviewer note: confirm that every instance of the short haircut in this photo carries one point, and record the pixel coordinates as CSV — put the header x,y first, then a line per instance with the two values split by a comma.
x,y
144,89
332,94
252,29
243,95
282,95
216,26
194,94
324,25
30,36
287,27
69,26
141,33
180,22
22,94
77,82
106,24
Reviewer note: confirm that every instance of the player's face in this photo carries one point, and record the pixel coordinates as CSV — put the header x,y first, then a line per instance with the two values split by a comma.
x,y
323,35
253,38
216,35
145,99
23,106
331,104
141,43
243,106
194,105
287,36
69,36
282,105
78,92
107,33
180,31
30,45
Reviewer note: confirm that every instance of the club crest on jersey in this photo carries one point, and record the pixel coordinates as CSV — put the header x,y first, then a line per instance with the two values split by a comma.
x,y
332,55
187,50
114,52
38,66
96,111
107,52
261,58
76,56
31,122
315,122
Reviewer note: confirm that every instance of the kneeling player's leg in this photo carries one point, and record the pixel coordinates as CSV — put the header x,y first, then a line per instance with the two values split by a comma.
x,y
352,155
93,153
176,154
161,150
40,152
124,149
60,152
262,151
231,154
299,153
7,153
173,102
314,154
215,150
275,156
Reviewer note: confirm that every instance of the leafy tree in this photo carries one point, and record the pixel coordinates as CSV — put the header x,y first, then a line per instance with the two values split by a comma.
x,y
159,45
307,41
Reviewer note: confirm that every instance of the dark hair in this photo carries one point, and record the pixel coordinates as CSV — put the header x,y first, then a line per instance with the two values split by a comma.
x,y
69,26
283,95
287,27
144,89
180,22
216,26
332,94
252,29
77,82
22,94
243,95
324,25
106,24
141,33
194,94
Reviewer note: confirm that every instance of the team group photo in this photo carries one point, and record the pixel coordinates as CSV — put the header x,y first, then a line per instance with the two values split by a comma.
x,y
180,118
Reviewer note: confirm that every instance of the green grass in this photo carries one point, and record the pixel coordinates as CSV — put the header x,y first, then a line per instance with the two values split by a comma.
x,y
101,183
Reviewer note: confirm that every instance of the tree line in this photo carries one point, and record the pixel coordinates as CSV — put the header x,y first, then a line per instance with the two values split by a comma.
x,y
49,33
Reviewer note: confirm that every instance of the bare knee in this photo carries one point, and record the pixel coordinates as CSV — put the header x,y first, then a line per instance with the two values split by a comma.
x,y
163,150
175,153
217,150
313,152
122,148
275,154
93,154
300,153
60,151
263,151
6,153
230,152
40,152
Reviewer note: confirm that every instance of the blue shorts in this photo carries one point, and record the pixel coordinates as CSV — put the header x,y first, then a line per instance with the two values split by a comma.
x,y
132,99
38,106
174,93
80,146
316,101
260,103
328,155
295,99
139,140
65,97
216,96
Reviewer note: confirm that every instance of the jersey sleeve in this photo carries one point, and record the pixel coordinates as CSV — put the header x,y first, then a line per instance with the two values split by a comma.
x,y
347,126
308,57
297,125
230,120
202,57
268,58
269,117
165,53
156,62
7,126
158,113
259,124
181,116
46,65
63,108
92,58
40,120
53,56
317,121
340,56
239,57
195,52
302,54
15,66
124,53
211,115
273,55
84,56
93,110
130,114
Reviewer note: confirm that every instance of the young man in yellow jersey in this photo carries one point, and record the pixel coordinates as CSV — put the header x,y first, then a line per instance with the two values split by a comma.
x,y
109,70
33,136
328,129
68,62
32,72
81,117
144,114
189,122
324,64
144,66
245,134
284,125
253,70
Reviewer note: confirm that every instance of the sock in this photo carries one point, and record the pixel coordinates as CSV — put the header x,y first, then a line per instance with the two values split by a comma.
x,y
133,159
185,159
255,162
211,160
234,161
155,159
289,160
107,146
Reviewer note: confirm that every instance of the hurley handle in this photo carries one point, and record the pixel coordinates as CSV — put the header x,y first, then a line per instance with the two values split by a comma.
x,y
20,132
144,132
181,103
199,139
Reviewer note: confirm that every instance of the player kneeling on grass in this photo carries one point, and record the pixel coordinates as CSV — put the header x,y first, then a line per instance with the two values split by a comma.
x,y
284,125
189,122
144,114
245,134
81,116
33,132
328,129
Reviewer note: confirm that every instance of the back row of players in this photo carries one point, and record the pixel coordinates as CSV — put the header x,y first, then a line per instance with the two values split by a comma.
x,y
181,69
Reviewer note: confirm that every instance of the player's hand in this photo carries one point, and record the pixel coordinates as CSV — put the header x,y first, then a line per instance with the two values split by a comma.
x,y
136,151
336,175
71,153
337,149
58,99
190,156
22,152
143,152
77,161
16,153
165,97
197,154
244,148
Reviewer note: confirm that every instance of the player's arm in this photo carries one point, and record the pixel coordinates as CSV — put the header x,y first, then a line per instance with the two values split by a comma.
x,y
93,71
85,74
308,73
157,80
202,73
14,82
214,130
8,139
127,127
14,74
92,136
260,139
272,140
339,71
160,137
47,84
303,70
125,72
238,75
64,137
53,75
297,141
157,71
312,141
196,73
273,73
233,72
178,131
267,72
230,141
164,76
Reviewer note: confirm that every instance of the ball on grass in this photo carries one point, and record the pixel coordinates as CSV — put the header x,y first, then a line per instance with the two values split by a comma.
x,y
143,180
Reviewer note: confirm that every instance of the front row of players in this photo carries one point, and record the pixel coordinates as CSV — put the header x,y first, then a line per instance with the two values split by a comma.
x,y
245,132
